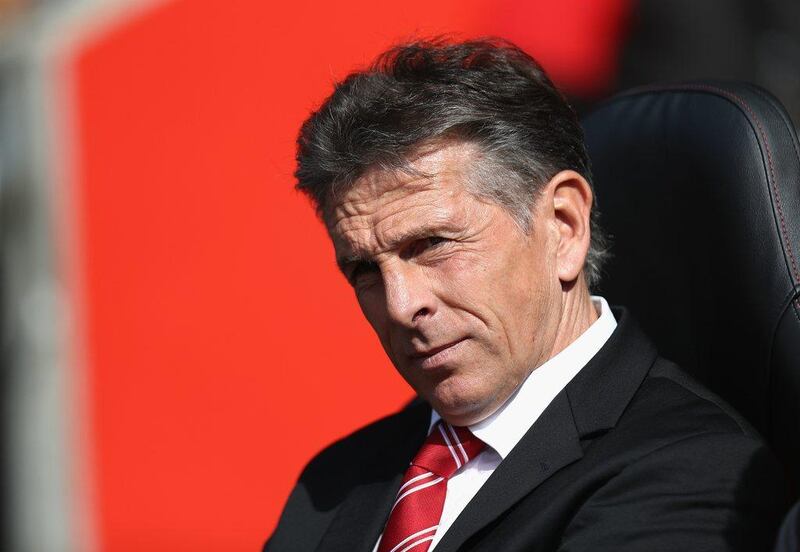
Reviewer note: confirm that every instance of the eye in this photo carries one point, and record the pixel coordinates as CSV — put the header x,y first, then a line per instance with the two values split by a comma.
x,y
434,241
420,246
361,271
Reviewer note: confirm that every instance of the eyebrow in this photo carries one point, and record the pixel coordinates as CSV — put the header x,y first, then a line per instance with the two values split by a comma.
x,y
403,237
344,262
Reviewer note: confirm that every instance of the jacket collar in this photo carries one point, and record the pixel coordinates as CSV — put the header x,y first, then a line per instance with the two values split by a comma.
x,y
590,404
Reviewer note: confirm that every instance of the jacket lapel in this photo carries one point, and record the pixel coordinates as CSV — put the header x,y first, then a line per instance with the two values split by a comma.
x,y
589,405
550,444
362,516
602,390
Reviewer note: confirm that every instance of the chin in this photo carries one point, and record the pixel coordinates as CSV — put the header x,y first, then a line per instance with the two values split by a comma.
x,y
458,406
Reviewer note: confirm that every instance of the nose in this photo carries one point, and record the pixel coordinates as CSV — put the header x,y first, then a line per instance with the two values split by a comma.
x,y
410,298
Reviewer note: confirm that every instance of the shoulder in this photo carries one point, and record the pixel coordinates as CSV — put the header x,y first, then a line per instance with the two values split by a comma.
x,y
677,411
365,456
362,448
671,412
789,535
673,395
681,460
680,468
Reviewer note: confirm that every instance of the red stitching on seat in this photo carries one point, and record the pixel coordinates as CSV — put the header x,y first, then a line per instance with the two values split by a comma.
x,y
778,202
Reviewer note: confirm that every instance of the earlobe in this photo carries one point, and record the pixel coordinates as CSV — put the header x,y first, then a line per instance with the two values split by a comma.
x,y
572,205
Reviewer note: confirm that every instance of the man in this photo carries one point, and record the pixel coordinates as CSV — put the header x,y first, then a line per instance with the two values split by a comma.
x,y
453,181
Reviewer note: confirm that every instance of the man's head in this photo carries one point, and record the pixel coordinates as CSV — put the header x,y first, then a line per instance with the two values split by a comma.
x,y
453,182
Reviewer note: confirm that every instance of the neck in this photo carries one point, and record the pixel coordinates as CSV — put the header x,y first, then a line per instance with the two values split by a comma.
x,y
577,314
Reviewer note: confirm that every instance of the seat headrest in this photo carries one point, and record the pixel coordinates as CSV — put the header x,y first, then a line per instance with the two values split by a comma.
x,y
698,186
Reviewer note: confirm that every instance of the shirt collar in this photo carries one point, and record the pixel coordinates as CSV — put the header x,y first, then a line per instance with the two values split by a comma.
x,y
509,423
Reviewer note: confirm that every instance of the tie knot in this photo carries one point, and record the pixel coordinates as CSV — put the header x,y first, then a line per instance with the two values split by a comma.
x,y
447,448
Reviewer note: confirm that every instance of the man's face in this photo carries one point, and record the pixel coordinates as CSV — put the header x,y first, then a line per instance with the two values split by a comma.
x,y
464,302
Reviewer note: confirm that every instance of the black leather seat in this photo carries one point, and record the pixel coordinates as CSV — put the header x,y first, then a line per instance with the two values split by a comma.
x,y
699,189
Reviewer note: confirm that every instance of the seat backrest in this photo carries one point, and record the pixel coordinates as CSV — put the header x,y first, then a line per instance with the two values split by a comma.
x,y
698,186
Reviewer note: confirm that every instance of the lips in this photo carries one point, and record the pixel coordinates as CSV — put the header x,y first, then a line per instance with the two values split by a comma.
x,y
436,356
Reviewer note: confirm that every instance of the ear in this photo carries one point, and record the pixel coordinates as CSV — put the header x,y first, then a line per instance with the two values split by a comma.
x,y
572,204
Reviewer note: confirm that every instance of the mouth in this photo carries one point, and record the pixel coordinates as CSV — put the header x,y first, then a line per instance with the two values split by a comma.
x,y
436,357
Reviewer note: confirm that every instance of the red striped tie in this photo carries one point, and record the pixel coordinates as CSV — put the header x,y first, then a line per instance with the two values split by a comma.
x,y
418,507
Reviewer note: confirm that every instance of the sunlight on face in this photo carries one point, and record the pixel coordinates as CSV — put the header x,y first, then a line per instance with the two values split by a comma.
x,y
464,302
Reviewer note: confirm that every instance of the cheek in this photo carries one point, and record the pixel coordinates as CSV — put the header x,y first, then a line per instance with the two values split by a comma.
x,y
477,293
373,307
466,285
513,300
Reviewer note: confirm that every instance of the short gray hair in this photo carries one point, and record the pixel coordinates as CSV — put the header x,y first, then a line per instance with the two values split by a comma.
x,y
485,92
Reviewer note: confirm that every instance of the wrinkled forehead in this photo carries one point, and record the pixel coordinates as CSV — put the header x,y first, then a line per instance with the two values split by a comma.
x,y
432,173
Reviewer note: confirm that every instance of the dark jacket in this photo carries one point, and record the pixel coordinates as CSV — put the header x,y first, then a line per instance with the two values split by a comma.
x,y
632,455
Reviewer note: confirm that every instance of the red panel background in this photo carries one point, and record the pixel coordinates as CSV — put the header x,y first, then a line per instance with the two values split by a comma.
x,y
223,348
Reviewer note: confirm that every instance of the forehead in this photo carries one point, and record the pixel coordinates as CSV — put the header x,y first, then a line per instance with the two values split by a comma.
x,y
382,206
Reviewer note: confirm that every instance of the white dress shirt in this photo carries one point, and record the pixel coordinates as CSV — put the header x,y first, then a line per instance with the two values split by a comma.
x,y
505,428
